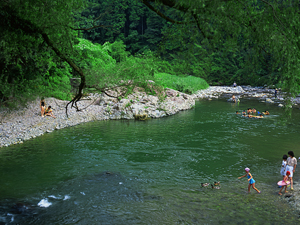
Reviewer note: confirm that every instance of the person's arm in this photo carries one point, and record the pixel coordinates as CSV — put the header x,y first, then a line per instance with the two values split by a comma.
x,y
250,176
242,176
295,164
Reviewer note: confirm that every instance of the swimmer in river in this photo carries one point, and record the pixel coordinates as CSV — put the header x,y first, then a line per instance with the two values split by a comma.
x,y
259,116
237,112
233,98
249,110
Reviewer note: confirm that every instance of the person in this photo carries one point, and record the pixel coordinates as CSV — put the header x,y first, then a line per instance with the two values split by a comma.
x,y
250,179
291,164
234,84
244,113
283,166
237,112
254,111
284,183
266,112
276,91
249,110
233,98
42,106
49,112
249,115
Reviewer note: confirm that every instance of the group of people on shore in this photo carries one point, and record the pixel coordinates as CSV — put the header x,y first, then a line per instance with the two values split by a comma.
x,y
287,171
253,113
46,111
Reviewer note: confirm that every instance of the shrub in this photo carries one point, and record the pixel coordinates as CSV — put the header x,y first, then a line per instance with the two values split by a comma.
x,y
188,84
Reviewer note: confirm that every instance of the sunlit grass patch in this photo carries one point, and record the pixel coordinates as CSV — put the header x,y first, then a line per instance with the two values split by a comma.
x,y
188,84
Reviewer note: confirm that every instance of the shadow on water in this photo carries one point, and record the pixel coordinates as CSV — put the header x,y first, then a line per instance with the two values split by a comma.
x,y
130,172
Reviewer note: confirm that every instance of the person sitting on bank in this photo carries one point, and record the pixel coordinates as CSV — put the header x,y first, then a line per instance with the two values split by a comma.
x,y
43,107
49,112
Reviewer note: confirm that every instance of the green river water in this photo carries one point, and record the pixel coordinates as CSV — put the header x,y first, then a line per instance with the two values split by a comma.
x,y
149,172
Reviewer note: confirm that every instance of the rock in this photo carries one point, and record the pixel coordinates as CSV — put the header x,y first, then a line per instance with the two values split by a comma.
x,y
280,105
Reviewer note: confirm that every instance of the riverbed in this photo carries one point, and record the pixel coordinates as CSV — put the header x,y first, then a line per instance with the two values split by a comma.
x,y
150,172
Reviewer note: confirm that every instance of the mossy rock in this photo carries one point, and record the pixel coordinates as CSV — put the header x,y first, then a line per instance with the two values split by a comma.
x,y
141,116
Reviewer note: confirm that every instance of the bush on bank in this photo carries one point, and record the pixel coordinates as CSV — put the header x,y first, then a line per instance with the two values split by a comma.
x,y
105,66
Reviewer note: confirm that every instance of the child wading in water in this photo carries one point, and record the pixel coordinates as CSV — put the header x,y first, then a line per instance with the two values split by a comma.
x,y
250,179
284,183
283,166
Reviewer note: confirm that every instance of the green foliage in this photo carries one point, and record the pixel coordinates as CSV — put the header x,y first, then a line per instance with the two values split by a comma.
x,y
123,20
133,71
93,56
247,41
251,42
117,50
187,84
28,66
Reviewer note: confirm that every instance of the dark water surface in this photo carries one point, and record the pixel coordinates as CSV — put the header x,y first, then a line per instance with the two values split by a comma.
x,y
149,172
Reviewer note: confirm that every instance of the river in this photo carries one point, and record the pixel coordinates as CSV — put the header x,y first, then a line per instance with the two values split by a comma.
x,y
149,172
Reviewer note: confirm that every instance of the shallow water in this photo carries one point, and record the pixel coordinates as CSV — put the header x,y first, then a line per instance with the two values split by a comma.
x,y
149,172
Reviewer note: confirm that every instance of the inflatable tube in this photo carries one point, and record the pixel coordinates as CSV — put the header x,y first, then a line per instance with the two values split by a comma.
x,y
282,183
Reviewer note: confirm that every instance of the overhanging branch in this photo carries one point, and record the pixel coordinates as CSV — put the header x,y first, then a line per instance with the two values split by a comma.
x,y
14,21
161,14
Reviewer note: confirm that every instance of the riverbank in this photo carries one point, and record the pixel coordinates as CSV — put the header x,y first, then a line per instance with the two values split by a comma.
x,y
20,125
104,107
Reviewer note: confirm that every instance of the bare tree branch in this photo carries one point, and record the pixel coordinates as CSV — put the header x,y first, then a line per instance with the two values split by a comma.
x,y
198,25
161,14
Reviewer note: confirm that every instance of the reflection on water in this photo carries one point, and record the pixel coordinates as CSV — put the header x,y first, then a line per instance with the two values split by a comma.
x,y
149,172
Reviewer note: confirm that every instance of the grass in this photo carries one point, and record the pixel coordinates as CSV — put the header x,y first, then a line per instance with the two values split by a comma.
x,y
188,84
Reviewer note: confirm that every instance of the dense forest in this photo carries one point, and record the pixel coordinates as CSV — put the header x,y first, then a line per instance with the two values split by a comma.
x,y
181,44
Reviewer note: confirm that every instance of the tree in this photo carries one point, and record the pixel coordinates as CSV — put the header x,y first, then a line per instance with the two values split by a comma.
x,y
245,32
28,26
270,26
